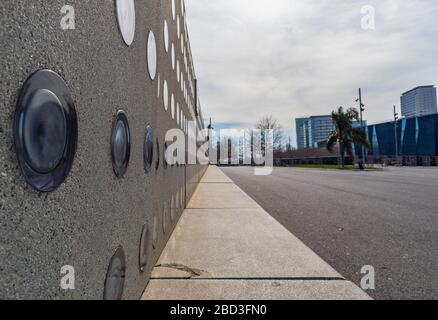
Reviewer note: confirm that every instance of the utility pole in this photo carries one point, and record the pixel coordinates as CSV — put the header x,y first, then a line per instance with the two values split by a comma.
x,y
396,135
210,128
362,109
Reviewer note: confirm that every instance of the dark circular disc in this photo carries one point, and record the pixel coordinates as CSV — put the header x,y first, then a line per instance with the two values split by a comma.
x,y
148,149
155,229
157,162
115,276
165,214
164,155
120,144
45,130
145,248
181,194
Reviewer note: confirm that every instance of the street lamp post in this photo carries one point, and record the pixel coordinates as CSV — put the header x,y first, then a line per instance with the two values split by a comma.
x,y
362,109
396,135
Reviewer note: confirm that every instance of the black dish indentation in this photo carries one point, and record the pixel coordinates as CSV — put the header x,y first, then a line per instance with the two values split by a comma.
x,y
45,130
120,144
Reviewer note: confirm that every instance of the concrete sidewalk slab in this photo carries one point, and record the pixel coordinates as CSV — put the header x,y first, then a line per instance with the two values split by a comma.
x,y
220,196
215,175
225,246
237,243
237,290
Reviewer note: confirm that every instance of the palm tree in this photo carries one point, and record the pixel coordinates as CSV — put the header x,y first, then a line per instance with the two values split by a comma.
x,y
345,134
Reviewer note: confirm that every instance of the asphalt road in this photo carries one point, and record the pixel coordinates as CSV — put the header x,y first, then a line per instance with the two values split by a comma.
x,y
387,219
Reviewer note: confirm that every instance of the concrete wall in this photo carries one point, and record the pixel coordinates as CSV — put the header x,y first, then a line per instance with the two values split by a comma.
x,y
84,221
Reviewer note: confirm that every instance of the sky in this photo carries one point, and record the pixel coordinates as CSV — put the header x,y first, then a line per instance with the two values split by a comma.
x,y
295,58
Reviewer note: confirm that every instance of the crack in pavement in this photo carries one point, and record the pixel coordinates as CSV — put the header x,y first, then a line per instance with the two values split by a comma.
x,y
193,272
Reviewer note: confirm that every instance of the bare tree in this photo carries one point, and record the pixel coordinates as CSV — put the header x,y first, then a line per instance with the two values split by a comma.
x,y
269,123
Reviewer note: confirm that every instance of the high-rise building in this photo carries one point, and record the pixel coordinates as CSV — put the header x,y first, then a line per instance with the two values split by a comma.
x,y
320,128
313,131
302,125
420,101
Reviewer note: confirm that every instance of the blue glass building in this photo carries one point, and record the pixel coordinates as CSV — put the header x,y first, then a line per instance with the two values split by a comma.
x,y
416,137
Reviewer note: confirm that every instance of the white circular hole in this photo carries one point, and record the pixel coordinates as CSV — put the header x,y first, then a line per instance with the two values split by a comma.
x,y
166,36
173,9
126,18
152,55
165,96
177,113
178,27
177,71
173,57
172,106
159,86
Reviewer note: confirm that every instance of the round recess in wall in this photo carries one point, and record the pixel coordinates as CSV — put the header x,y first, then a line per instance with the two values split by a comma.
x,y
148,149
166,36
172,106
173,56
173,9
164,155
145,248
115,276
177,71
157,162
45,130
155,231
164,218
120,144
165,96
178,203
178,27
152,55
177,113
172,208
159,86
126,18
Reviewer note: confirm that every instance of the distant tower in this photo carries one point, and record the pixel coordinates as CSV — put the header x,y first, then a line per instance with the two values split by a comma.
x,y
420,101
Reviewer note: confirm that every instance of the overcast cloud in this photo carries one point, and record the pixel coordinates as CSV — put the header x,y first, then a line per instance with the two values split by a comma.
x,y
292,58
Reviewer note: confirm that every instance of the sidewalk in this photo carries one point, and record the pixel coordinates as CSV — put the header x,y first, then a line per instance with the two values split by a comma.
x,y
226,247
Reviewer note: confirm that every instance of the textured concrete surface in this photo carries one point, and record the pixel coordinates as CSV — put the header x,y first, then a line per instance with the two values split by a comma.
x,y
214,175
387,219
92,213
220,195
239,252
239,243
236,290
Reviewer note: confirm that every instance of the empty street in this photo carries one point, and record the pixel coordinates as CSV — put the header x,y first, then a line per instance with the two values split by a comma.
x,y
387,219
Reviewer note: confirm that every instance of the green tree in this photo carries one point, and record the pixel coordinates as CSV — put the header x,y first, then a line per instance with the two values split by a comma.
x,y
345,134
